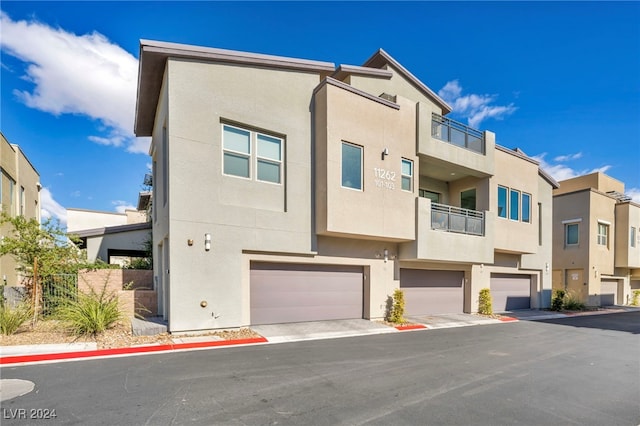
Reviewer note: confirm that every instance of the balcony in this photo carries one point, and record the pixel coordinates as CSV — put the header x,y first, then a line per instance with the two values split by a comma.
x,y
456,219
457,134
450,234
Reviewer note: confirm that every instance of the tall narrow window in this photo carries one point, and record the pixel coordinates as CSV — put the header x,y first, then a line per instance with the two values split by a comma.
x,y
632,237
571,234
539,224
526,207
351,166
22,201
468,199
514,205
502,201
269,158
154,192
237,151
603,234
165,166
12,205
407,175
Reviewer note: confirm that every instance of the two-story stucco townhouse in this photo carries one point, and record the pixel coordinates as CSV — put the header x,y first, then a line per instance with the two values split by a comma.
x,y
19,195
291,190
596,240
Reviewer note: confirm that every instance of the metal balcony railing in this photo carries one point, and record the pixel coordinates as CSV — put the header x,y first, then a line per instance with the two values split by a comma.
x,y
456,219
457,134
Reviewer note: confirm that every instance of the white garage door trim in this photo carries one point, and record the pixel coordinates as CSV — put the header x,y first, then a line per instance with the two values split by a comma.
x,y
432,291
510,292
282,293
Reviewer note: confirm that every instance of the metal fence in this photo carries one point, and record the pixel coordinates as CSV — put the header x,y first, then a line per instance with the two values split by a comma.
x,y
457,134
57,290
456,219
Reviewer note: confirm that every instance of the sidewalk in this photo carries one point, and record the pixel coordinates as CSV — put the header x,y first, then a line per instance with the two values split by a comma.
x,y
278,333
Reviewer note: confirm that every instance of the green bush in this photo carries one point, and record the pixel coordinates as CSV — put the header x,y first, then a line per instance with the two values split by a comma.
x,y
558,300
90,313
485,302
396,315
635,300
12,318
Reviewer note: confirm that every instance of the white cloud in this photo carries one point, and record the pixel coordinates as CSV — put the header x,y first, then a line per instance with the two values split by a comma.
x,y
121,206
475,108
568,157
562,171
634,193
76,74
49,208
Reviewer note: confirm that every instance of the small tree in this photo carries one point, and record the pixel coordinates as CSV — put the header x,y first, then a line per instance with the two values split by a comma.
x,y
485,306
635,300
558,300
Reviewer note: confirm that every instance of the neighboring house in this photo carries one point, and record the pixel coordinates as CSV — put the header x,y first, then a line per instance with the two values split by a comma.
x,y
596,240
114,238
291,190
19,195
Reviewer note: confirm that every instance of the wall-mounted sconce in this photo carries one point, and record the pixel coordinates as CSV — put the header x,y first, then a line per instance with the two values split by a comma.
x,y
385,254
481,267
189,242
385,152
595,272
546,267
207,242
203,304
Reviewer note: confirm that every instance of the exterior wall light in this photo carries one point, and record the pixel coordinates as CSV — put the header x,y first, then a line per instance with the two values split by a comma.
x,y
385,152
207,242
386,255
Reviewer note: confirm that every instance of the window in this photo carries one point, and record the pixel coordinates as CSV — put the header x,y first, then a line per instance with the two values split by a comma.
x,y
539,224
165,166
526,207
238,147
468,199
632,237
514,205
571,234
603,234
22,200
502,201
433,196
351,166
407,175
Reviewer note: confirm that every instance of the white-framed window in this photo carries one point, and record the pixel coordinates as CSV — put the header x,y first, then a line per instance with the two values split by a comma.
x,y
407,175
251,154
514,205
502,201
571,233
351,176
632,236
603,234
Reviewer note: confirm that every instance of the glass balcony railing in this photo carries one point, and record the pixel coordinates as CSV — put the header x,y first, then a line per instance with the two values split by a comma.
x,y
456,219
457,134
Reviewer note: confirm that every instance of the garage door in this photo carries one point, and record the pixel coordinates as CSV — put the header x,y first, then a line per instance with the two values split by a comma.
x,y
432,292
608,292
510,292
294,293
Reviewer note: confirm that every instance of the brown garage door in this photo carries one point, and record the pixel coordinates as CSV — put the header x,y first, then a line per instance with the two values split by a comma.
x,y
608,292
510,292
432,292
294,293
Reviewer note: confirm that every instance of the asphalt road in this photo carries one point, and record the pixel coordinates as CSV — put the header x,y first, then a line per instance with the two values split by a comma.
x,y
576,371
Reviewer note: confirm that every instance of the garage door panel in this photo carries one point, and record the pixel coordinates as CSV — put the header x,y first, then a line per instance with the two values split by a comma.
x,y
432,292
295,293
510,292
608,292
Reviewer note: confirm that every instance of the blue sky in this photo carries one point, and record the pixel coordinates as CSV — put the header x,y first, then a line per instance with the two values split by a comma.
x,y
561,81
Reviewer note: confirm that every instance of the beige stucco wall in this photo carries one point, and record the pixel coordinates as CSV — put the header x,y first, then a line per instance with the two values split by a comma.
x,y
598,180
627,216
79,219
382,209
99,245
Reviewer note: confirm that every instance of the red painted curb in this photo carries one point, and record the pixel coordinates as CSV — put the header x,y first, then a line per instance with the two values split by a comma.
x,y
124,351
409,327
508,319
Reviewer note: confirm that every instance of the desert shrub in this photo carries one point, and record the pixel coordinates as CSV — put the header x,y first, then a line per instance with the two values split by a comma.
x,y
485,302
90,313
558,300
635,299
571,303
11,318
396,314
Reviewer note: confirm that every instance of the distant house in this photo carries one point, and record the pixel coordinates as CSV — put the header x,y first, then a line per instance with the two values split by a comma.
x,y
291,190
596,240
114,238
19,195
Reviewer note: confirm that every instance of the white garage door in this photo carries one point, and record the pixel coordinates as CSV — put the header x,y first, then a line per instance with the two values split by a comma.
x,y
608,292
283,293
432,292
510,292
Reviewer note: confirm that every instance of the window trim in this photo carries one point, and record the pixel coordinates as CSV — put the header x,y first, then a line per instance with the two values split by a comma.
x,y
566,233
602,238
409,176
506,201
361,149
517,210
632,236
522,204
